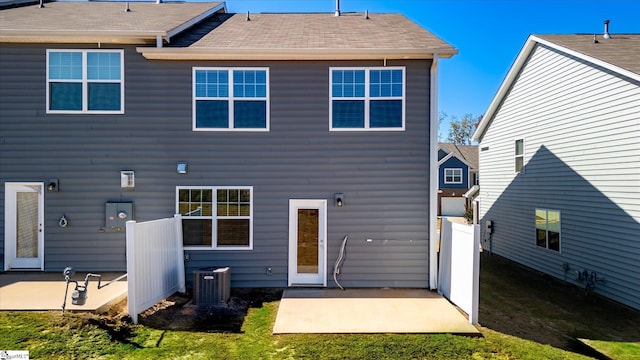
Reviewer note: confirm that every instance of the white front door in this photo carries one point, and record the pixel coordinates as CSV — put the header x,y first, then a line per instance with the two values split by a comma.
x,y
23,226
307,242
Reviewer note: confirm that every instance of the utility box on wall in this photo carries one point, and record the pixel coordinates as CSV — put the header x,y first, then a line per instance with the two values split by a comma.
x,y
117,214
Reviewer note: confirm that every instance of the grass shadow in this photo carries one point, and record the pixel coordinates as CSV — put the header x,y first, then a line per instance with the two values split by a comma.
x,y
522,302
178,313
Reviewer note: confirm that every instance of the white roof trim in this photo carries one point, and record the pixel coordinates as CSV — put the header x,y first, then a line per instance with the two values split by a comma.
x,y
450,155
516,67
196,53
474,189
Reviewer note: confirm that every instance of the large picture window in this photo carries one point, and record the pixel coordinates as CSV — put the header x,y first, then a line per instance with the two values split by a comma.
x,y
548,229
85,81
216,217
367,98
227,99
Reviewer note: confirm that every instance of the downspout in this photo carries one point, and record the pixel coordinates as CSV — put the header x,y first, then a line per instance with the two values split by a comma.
x,y
433,174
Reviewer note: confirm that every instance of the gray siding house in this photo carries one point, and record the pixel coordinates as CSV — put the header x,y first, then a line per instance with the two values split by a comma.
x,y
559,162
273,135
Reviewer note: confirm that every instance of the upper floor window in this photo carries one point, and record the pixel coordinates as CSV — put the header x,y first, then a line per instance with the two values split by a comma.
x,y
519,155
367,98
85,81
216,217
231,99
453,176
548,229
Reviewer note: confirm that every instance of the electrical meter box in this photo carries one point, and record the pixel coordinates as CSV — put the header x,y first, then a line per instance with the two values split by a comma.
x,y
117,214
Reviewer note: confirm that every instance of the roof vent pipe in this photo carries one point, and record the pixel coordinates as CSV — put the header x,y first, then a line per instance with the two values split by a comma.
x,y
606,30
158,1
337,8
248,18
127,9
41,4
366,15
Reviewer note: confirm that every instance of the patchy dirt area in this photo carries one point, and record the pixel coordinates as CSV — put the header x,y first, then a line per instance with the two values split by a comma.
x,y
178,312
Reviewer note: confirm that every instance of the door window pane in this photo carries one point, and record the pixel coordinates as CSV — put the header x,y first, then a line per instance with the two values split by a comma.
x,y
308,227
27,225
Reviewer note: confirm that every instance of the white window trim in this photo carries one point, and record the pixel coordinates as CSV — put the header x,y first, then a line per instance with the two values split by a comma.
x,y
453,176
85,83
367,98
515,156
231,99
546,247
214,217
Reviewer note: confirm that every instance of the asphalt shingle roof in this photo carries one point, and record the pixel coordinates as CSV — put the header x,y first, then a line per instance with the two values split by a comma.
x,y
467,152
321,31
622,50
69,18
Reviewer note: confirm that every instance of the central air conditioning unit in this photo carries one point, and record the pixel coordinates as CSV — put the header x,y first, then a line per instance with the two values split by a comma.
x,y
211,286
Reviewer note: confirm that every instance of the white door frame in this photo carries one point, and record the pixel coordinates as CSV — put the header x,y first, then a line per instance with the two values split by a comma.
x,y
319,279
11,260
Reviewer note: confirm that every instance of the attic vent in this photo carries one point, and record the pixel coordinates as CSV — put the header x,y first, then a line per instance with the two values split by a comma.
x,y
606,30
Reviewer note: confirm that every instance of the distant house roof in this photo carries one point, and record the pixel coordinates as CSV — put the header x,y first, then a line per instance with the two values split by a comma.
x,y
467,153
620,54
312,36
106,22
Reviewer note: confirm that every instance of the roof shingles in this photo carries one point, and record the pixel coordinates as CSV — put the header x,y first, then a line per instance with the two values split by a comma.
x,y
622,50
321,31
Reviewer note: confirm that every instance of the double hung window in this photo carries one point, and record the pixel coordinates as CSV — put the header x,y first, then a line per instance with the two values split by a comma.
x,y
548,229
85,81
231,99
216,217
519,155
367,98
453,176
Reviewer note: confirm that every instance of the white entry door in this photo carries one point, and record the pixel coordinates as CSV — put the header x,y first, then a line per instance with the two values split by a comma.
x,y
307,242
23,221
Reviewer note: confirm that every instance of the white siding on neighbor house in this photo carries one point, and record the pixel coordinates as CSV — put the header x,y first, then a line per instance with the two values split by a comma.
x,y
581,128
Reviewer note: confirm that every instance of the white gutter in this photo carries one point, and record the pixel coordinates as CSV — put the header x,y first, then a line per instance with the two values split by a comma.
x,y
433,176
203,53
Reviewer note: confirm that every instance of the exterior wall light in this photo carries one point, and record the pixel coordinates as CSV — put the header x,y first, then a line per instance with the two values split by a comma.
x,y
182,167
338,199
127,179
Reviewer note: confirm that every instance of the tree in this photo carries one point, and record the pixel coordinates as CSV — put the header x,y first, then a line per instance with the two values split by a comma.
x,y
461,131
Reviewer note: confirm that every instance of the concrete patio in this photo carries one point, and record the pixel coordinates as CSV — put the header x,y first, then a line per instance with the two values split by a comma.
x,y
45,291
334,311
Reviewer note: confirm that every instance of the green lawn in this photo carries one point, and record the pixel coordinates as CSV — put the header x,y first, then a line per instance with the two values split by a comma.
x,y
48,335
523,316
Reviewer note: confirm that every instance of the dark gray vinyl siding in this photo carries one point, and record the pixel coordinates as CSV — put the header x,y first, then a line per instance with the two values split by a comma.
x,y
581,126
384,175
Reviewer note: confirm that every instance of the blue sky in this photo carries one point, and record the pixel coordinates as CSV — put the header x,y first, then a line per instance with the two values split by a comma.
x,y
487,33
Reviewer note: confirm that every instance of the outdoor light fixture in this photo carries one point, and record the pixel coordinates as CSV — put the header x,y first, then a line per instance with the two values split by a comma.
x,y
127,179
53,185
182,167
338,199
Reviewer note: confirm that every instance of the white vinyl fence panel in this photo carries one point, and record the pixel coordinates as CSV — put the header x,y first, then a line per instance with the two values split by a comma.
x,y
459,273
155,262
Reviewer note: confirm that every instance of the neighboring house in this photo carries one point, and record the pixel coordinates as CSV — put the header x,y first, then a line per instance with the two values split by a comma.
x,y
457,175
274,135
560,159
